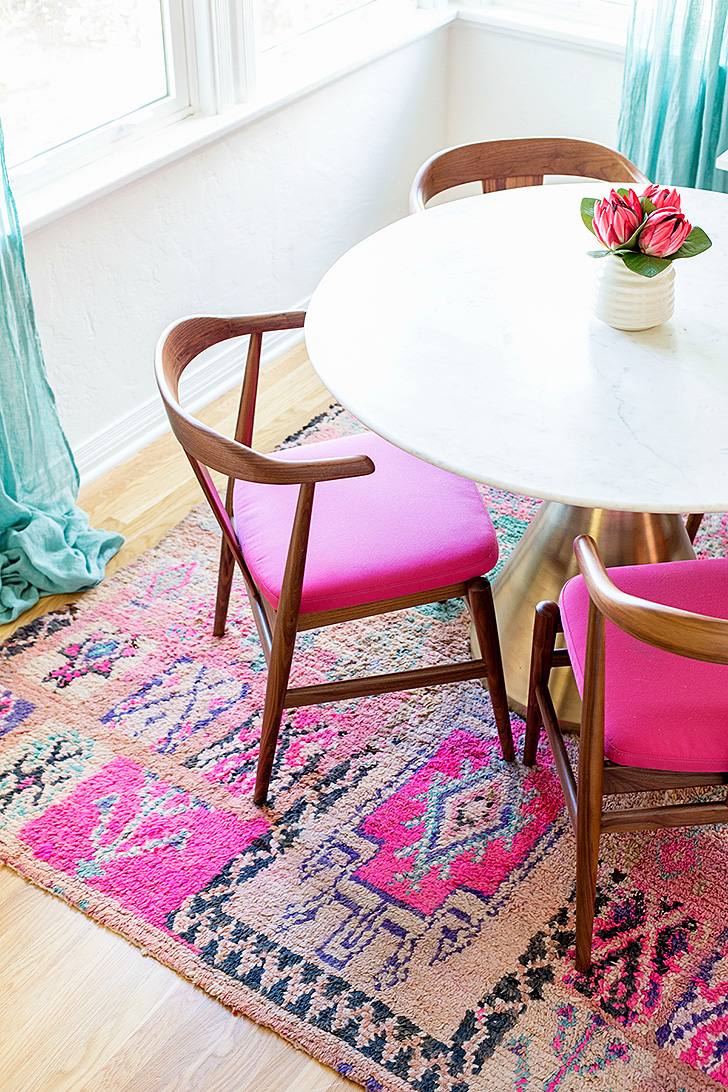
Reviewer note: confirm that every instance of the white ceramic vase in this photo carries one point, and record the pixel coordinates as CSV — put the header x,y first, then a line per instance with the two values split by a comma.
x,y
627,301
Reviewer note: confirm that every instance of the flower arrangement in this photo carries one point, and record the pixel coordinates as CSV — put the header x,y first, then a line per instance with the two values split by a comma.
x,y
647,231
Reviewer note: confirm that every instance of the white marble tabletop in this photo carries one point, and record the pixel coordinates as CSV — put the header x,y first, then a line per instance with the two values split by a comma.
x,y
464,334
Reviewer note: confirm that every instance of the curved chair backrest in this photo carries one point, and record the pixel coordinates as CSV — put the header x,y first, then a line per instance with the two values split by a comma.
x,y
178,346
696,636
509,164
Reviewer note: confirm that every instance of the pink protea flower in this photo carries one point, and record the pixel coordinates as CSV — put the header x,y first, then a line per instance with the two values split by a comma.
x,y
664,233
616,218
663,197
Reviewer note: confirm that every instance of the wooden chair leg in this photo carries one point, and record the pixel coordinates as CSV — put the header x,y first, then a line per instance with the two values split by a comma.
x,y
692,524
284,641
279,671
544,637
590,787
224,584
589,817
480,600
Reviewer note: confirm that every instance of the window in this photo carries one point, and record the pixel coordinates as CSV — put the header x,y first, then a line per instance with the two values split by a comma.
x,y
76,68
79,75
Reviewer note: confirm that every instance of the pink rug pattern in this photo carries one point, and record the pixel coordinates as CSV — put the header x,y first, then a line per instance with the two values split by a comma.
x,y
403,909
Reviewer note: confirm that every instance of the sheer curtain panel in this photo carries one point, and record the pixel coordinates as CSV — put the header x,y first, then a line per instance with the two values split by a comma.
x,y
674,117
46,544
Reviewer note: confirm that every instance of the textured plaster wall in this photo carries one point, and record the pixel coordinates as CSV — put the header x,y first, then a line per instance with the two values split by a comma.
x,y
249,223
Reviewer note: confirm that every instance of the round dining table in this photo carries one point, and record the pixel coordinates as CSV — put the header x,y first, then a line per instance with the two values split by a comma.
x,y
465,335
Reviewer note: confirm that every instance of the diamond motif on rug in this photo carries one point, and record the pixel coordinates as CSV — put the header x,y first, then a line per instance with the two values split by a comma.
x,y
460,822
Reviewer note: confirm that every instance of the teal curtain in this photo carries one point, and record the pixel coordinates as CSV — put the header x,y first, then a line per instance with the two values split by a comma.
x,y
674,118
46,544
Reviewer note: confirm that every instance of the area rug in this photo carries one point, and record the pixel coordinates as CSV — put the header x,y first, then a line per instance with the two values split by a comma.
x,y
403,909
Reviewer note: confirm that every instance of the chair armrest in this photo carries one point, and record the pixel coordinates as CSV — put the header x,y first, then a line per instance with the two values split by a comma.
x,y
181,343
696,636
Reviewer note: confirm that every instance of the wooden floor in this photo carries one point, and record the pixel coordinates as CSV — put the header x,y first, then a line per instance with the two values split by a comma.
x,y
81,1010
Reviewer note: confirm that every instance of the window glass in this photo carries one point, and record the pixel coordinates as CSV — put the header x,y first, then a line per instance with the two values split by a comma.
x,y
70,66
279,20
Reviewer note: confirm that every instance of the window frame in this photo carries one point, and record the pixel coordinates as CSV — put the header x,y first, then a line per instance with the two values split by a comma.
x,y
53,163
211,54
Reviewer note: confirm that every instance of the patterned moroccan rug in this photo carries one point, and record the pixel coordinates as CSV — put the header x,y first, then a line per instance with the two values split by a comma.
x,y
403,910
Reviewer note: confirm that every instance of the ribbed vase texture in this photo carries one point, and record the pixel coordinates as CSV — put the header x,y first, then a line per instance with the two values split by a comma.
x,y
627,301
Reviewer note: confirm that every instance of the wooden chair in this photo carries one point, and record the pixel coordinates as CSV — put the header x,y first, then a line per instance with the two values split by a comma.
x,y
655,699
509,164
385,531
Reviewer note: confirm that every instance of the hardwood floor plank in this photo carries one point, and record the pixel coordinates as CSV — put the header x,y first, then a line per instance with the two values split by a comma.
x,y
82,1010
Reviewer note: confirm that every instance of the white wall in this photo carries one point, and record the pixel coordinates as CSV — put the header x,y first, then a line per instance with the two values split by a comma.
x,y
251,222
506,83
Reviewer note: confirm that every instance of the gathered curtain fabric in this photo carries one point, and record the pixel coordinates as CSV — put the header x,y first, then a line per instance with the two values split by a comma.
x,y
674,117
46,544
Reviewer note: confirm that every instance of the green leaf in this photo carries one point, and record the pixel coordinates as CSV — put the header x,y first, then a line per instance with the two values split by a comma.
x,y
631,243
645,264
599,253
647,205
587,211
696,242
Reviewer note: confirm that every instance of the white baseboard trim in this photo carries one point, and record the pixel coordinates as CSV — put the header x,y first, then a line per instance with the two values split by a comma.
x,y
205,382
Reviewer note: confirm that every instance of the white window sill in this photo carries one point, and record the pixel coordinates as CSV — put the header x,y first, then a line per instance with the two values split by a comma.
x,y
284,75
606,38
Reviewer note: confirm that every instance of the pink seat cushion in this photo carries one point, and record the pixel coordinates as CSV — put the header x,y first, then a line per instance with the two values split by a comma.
x,y
663,712
402,530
